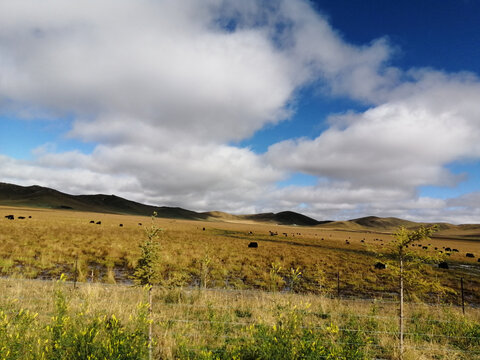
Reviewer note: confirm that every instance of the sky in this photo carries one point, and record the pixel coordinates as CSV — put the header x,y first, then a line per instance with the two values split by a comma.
x,y
332,108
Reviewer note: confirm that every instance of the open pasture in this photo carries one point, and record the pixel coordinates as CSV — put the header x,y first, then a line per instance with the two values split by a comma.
x,y
223,324
215,254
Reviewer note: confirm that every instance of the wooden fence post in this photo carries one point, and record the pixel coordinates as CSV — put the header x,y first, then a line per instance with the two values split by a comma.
x,y
338,284
75,273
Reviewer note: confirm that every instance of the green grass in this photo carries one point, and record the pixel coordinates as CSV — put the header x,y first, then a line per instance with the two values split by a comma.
x,y
52,320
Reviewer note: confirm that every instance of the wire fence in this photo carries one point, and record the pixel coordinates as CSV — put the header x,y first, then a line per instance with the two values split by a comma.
x,y
437,342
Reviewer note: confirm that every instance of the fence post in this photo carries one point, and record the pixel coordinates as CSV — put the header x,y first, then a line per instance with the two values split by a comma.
x,y
338,283
463,297
75,273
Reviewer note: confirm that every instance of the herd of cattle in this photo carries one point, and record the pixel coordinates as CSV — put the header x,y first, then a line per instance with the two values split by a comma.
x,y
253,244
12,217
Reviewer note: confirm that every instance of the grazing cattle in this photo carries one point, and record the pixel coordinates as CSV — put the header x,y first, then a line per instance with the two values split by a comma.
x,y
380,266
92,221
10,217
203,229
253,245
285,234
121,225
443,265
362,241
99,223
21,217
30,217
425,247
139,224
436,248
250,233
456,250
347,242
448,249
470,255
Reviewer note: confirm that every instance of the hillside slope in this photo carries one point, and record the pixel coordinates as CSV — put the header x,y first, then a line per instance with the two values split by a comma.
x,y
42,197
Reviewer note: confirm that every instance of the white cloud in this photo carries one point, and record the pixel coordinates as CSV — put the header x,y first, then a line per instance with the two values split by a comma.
x,y
403,143
164,89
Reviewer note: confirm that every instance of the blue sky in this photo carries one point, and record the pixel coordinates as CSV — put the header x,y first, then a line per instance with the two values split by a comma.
x,y
336,109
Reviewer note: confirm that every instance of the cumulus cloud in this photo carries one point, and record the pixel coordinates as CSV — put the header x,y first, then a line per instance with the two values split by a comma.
x,y
403,143
165,88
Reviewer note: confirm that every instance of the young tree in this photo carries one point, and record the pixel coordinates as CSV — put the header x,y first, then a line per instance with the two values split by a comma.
x,y
402,239
146,272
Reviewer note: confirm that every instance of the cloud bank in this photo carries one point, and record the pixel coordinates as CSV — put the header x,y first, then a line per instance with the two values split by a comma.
x,y
165,90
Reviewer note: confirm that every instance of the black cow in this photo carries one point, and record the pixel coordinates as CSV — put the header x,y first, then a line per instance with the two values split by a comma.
x,y
99,223
380,266
21,217
443,265
92,221
448,249
121,225
253,244
10,217
470,255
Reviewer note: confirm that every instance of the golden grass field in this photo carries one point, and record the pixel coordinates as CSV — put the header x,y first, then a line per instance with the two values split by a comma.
x,y
52,242
218,294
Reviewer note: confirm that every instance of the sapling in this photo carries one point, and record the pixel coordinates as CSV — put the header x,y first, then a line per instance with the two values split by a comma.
x,y
146,272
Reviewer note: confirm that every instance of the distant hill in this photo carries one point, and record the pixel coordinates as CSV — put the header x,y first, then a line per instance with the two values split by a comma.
x,y
42,197
284,218
374,223
383,223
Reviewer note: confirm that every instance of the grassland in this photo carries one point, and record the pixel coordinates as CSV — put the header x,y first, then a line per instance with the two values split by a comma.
x,y
218,298
52,242
58,321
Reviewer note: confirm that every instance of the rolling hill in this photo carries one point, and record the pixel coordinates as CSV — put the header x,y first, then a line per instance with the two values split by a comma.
x,y
43,197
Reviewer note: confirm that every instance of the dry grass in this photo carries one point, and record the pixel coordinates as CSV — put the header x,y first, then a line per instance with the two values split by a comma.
x,y
51,241
194,320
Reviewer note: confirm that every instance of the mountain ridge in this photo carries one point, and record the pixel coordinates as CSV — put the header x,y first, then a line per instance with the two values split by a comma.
x,y
44,197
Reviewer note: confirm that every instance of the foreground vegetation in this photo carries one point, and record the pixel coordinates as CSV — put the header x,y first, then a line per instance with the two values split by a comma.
x,y
55,320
